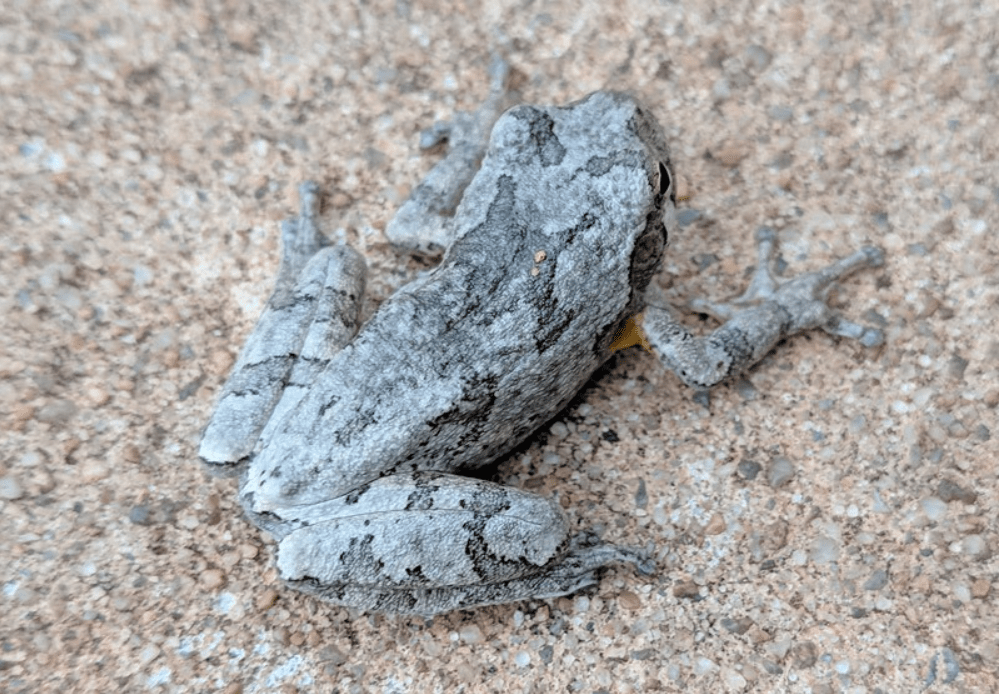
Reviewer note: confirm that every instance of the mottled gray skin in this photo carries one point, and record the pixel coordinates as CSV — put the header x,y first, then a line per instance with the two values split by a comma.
x,y
470,359
311,314
349,443
754,323
554,242
425,222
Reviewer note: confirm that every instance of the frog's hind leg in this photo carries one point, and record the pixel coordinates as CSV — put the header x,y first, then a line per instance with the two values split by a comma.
x,y
579,569
311,314
431,542
769,311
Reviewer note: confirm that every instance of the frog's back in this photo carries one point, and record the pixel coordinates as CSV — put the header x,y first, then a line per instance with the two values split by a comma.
x,y
559,234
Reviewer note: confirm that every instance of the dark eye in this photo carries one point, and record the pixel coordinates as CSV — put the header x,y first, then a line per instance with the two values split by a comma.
x,y
664,179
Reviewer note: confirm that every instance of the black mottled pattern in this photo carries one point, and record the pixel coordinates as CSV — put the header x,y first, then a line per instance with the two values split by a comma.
x,y
549,150
456,368
579,569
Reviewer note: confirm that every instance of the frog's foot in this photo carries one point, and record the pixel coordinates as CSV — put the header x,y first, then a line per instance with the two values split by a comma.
x,y
423,224
769,311
579,569
311,314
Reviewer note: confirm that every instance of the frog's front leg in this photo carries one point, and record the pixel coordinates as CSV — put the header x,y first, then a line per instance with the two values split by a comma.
x,y
769,311
428,542
424,222
311,314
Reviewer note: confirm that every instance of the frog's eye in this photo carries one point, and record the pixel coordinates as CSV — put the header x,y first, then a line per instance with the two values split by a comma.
x,y
665,181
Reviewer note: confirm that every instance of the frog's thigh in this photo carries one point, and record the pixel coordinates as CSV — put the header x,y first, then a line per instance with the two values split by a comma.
x,y
427,542
424,530
301,328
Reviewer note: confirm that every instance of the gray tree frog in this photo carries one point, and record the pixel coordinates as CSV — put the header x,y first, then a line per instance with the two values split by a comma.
x,y
351,439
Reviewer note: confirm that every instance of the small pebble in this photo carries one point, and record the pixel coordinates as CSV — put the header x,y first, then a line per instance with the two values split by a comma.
x,y
749,469
737,626
824,550
956,367
641,495
961,592
733,680
10,488
266,600
686,589
780,473
804,655
973,545
140,515
93,470
98,396
56,412
703,666
951,491
980,589
944,665
715,526
212,578
629,600
877,581
934,508
470,634
758,56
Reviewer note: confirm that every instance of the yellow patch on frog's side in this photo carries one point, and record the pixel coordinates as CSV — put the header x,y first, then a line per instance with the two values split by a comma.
x,y
630,334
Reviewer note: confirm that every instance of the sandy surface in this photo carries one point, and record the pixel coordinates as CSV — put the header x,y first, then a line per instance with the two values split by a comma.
x,y
829,525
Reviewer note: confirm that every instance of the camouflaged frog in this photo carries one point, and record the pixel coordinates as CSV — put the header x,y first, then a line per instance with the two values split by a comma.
x,y
351,439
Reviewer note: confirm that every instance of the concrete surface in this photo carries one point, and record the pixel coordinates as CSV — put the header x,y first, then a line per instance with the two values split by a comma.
x,y
830,525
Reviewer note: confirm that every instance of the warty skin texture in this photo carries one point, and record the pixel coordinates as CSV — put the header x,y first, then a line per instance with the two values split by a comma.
x,y
552,247
351,446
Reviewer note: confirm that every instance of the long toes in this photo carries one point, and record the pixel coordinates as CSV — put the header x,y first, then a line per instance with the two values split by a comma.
x,y
868,256
300,236
308,195
867,336
763,283
875,255
765,235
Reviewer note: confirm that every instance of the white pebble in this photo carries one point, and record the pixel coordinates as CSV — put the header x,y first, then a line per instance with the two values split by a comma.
x,y
733,680
961,592
934,508
471,634
974,545
10,488
825,550
703,666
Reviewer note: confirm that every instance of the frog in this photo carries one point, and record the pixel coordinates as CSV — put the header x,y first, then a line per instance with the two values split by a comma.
x,y
356,444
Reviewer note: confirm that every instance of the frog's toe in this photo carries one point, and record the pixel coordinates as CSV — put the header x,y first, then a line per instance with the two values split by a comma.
x,y
865,335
